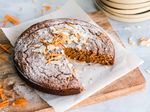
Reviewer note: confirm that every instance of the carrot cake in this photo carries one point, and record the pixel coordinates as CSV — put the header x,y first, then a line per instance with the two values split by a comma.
x,y
42,53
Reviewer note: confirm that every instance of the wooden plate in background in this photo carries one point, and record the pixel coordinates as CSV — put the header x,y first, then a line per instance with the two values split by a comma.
x,y
125,6
124,11
129,1
124,19
129,16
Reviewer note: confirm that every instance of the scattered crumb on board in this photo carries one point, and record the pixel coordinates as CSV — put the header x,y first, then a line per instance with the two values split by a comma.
x,y
46,7
143,41
130,41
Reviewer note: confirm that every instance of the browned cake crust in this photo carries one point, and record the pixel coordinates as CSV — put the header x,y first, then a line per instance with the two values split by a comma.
x,y
42,52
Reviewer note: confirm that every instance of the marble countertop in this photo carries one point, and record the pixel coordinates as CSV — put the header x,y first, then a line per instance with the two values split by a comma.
x,y
135,102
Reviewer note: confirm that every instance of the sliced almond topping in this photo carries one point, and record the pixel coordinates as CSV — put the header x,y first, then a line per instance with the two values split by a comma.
x,y
70,78
49,61
72,25
53,57
43,41
78,36
58,41
58,57
35,46
54,62
64,35
46,51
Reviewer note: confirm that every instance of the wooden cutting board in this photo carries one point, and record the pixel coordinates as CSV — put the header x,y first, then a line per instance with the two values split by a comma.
x,y
131,82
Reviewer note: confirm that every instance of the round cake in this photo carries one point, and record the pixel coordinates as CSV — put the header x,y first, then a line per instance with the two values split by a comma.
x,y
44,51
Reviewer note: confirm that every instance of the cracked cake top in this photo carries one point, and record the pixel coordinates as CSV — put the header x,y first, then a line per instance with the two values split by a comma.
x,y
40,56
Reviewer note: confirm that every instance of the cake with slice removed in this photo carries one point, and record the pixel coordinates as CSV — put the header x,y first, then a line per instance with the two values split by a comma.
x,y
42,53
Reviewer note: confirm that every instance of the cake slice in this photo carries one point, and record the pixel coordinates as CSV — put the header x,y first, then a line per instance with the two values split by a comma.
x,y
95,51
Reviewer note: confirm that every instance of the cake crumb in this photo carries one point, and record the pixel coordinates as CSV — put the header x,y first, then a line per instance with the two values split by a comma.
x,y
130,41
143,41
46,7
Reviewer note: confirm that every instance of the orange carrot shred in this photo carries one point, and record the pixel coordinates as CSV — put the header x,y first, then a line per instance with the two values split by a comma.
x,y
3,97
21,102
12,19
5,47
4,104
1,91
1,86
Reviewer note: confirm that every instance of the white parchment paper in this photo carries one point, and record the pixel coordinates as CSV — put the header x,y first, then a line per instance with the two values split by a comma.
x,y
93,76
